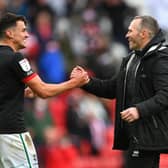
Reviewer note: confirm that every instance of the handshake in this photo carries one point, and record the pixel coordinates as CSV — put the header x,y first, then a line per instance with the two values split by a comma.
x,y
79,76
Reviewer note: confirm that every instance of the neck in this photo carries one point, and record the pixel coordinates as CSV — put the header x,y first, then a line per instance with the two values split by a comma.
x,y
144,43
8,43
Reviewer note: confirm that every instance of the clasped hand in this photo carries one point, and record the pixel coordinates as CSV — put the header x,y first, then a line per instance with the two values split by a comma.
x,y
80,74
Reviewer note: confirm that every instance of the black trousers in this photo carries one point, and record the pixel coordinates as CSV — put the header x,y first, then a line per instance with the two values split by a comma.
x,y
141,159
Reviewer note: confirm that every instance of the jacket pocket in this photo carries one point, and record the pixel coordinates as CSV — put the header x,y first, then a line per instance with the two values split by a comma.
x,y
145,86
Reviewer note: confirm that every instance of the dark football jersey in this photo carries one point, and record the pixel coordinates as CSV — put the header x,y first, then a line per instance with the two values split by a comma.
x,y
15,70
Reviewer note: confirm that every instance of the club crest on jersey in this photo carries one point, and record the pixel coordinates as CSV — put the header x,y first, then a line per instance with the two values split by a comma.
x,y
25,65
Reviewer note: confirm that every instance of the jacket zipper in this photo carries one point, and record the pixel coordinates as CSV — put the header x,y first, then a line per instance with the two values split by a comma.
x,y
155,122
135,147
136,69
123,103
135,140
125,82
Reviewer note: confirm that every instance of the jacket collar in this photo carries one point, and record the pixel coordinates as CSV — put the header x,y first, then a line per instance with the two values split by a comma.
x,y
155,43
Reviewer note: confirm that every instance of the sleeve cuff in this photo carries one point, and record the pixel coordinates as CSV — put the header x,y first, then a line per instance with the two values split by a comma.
x,y
28,78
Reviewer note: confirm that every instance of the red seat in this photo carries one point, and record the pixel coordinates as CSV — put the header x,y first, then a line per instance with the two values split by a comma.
x,y
58,108
60,157
164,161
98,162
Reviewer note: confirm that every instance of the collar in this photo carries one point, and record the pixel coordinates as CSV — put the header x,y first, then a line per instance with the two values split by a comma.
x,y
6,47
155,43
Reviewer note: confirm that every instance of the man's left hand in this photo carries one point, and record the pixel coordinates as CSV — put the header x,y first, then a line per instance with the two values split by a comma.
x,y
131,114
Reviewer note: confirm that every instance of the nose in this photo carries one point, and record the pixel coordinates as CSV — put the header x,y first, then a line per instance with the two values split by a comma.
x,y
27,35
127,35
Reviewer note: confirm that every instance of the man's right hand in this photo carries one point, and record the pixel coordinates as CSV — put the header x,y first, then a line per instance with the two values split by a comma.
x,y
79,74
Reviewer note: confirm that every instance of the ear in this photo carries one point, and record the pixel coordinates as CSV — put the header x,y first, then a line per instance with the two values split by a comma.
x,y
144,33
9,33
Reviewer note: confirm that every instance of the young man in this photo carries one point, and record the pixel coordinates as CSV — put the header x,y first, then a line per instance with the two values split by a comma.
x,y
141,90
16,147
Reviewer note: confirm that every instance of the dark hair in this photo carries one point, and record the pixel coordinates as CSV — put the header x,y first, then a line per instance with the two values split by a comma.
x,y
150,23
8,20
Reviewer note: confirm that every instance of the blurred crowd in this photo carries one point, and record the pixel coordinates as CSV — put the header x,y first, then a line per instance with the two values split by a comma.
x,y
63,34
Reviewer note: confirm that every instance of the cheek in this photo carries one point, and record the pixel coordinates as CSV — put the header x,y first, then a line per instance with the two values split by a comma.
x,y
18,39
136,38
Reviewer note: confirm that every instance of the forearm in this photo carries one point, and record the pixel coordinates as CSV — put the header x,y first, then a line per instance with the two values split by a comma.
x,y
45,90
49,90
101,88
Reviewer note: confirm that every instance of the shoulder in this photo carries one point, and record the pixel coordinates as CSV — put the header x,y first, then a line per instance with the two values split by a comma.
x,y
18,56
6,55
162,52
163,49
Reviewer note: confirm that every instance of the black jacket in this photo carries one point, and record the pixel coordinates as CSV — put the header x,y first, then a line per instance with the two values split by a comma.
x,y
150,97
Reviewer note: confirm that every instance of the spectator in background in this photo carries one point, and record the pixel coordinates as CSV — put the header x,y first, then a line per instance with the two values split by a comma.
x,y
3,6
43,26
159,11
19,7
52,64
83,123
120,15
77,125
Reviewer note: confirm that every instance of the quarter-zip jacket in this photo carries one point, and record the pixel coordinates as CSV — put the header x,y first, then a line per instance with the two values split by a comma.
x,y
150,97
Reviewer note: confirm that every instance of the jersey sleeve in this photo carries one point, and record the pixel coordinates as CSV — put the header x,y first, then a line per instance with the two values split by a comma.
x,y
22,68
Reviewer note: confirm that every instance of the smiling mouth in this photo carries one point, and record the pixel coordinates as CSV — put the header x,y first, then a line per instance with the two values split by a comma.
x,y
130,42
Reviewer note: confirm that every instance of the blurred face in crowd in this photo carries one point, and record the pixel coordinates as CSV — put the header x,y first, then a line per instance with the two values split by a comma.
x,y
113,2
3,4
134,35
18,35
